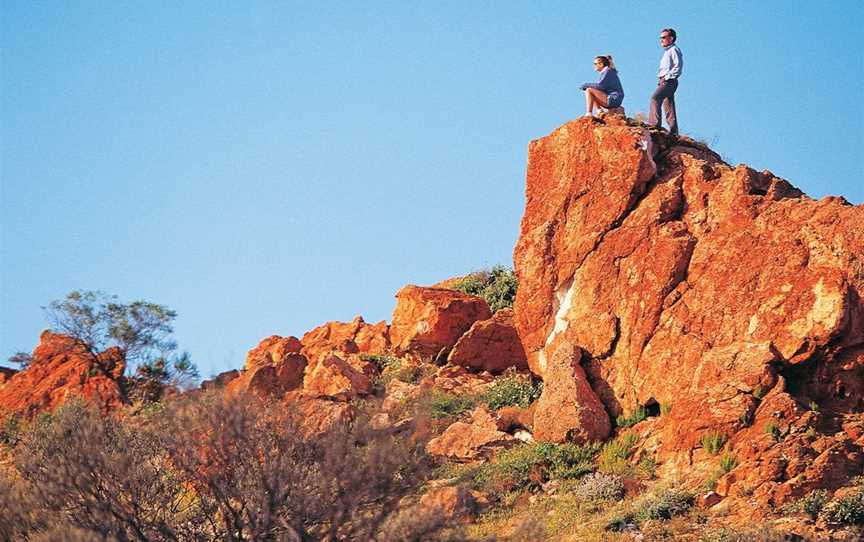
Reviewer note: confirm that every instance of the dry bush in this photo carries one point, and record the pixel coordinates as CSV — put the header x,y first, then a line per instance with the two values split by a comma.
x,y
207,469
100,477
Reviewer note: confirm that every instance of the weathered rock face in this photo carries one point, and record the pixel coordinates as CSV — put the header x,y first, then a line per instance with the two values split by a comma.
x,y
568,408
427,320
338,379
63,369
272,368
490,345
686,282
351,337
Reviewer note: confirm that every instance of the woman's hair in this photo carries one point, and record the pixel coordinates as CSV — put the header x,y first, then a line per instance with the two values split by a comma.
x,y
606,60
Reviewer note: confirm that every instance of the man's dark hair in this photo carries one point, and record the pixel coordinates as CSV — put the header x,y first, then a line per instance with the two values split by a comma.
x,y
672,33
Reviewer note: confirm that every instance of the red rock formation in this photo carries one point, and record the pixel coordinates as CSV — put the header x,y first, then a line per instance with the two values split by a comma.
x,y
490,345
272,368
221,380
338,379
569,409
61,369
451,503
427,320
687,282
6,373
351,337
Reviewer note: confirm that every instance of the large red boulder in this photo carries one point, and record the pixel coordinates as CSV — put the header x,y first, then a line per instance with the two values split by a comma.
x,y
568,408
339,379
351,337
272,368
686,282
490,345
429,320
61,369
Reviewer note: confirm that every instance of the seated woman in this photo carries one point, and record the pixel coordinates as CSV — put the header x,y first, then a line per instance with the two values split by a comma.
x,y
607,92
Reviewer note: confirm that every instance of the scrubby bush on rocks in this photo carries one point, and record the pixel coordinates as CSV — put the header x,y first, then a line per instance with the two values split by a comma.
x,y
599,486
512,389
497,286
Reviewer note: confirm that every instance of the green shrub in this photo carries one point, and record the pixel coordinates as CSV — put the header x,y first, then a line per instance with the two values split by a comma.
x,y
637,416
712,442
665,408
746,419
813,503
759,392
497,286
448,405
848,510
647,467
773,429
728,462
532,464
613,456
394,368
513,389
663,505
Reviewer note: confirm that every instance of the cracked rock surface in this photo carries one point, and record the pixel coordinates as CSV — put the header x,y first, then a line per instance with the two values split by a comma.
x,y
685,282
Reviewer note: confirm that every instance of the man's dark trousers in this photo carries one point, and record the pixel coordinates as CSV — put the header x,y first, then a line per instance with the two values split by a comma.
x,y
665,96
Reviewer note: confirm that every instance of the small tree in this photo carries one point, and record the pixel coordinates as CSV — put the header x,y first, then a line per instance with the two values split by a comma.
x,y
141,330
21,359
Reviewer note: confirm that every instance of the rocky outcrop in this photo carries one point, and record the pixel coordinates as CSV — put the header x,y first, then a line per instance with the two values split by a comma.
x,y
62,369
351,337
272,368
479,439
459,503
568,409
427,321
687,283
6,373
338,378
220,381
490,345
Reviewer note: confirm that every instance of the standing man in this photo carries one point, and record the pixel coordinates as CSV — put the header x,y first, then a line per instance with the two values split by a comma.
x,y
671,64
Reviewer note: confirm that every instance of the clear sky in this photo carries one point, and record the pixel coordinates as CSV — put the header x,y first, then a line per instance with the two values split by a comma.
x,y
264,167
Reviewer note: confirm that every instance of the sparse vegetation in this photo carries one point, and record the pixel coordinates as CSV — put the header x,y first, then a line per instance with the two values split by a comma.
x,y
394,368
512,389
641,413
532,464
773,429
712,442
813,503
846,510
665,408
614,454
447,405
599,486
663,505
497,286
728,462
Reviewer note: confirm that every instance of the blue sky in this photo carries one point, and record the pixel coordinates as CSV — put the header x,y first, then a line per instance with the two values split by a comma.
x,y
264,167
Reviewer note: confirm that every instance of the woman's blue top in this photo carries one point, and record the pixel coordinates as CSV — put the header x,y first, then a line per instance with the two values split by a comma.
x,y
608,83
